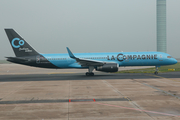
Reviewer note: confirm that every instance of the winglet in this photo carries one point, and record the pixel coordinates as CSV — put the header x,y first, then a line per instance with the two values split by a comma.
x,y
70,53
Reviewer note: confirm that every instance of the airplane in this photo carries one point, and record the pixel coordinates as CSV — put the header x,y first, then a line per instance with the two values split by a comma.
x,y
104,62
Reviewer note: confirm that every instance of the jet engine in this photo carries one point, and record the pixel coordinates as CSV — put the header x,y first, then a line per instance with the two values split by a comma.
x,y
108,67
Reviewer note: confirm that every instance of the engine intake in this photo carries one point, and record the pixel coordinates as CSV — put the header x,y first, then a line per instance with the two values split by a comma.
x,y
108,67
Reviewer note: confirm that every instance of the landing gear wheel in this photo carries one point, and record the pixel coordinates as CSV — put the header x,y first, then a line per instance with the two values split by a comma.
x,y
89,74
156,73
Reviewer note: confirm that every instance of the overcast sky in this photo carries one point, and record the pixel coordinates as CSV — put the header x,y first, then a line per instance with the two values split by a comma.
x,y
50,26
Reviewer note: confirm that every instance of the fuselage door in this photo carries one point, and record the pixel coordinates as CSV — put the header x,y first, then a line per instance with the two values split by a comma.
x,y
37,59
160,57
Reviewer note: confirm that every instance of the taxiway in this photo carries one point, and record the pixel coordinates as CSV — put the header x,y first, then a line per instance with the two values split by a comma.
x,y
71,95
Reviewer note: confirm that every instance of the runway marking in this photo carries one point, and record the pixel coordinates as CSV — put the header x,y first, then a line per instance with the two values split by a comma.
x,y
165,83
13,91
108,84
161,90
160,113
158,89
133,103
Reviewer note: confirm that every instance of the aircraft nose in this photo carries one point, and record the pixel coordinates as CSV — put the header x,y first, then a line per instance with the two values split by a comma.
x,y
174,61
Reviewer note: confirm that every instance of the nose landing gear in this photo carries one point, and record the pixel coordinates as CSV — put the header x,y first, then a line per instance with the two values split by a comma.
x,y
156,71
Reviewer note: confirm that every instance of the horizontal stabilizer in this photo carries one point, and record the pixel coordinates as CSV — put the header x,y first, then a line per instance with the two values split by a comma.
x,y
16,58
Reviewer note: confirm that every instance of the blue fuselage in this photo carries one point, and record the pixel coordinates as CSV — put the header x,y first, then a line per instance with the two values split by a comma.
x,y
122,59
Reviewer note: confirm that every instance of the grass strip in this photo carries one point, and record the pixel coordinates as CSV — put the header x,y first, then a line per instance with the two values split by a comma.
x,y
162,69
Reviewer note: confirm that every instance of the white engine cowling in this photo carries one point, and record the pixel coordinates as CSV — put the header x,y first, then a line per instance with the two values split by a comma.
x,y
108,67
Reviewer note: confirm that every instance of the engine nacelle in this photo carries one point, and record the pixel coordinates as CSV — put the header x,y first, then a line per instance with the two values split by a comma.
x,y
108,67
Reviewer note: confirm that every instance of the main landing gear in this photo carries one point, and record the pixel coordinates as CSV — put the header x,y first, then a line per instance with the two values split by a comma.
x,y
90,73
156,71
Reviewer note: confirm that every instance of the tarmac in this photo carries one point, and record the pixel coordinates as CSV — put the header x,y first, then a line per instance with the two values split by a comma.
x,y
42,94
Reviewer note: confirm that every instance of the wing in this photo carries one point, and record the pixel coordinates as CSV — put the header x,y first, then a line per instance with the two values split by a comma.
x,y
85,62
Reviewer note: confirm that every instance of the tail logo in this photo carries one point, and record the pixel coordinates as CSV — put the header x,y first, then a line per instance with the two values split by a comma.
x,y
20,43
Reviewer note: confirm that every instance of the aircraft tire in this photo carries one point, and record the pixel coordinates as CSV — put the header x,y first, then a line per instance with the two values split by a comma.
x,y
156,73
89,74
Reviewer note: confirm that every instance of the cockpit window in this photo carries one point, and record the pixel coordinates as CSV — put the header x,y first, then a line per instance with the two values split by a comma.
x,y
169,57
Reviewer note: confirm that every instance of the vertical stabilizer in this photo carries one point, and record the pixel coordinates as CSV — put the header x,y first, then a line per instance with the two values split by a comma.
x,y
20,46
